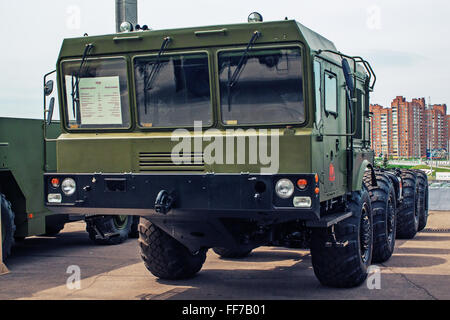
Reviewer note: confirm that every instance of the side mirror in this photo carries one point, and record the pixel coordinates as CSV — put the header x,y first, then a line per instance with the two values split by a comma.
x,y
348,76
48,89
50,111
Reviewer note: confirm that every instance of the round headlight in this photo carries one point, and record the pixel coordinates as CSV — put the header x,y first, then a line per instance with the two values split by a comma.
x,y
68,186
284,188
126,27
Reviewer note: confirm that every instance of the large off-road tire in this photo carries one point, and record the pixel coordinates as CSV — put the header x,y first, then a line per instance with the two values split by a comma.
x,y
109,230
134,231
234,253
8,226
165,257
345,267
383,203
422,181
408,213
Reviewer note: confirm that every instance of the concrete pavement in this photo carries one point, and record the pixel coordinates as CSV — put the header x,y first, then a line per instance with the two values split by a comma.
x,y
419,269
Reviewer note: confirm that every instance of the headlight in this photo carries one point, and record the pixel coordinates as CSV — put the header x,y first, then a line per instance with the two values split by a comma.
x,y
68,186
302,202
126,27
284,188
54,198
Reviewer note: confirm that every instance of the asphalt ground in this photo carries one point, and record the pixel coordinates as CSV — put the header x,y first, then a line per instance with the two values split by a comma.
x,y
419,269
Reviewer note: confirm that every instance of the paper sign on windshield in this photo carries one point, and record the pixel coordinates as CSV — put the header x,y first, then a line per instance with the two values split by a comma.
x,y
99,100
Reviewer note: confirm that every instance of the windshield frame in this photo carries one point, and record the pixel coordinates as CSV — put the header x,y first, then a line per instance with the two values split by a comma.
x,y
176,52
256,47
63,96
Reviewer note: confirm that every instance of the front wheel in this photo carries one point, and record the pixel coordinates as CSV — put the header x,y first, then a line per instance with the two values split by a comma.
x,y
8,227
165,257
109,230
347,265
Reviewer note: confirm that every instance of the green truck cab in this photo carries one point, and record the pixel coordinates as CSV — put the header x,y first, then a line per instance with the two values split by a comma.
x,y
227,137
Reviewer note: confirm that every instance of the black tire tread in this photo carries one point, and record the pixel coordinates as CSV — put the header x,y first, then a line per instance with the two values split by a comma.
x,y
105,225
7,217
422,180
406,222
165,257
379,196
341,267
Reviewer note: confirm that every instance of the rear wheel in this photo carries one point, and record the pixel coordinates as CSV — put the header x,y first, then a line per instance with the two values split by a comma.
x,y
165,257
347,265
384,218
109,230
422,181
239,252
8,227
408,213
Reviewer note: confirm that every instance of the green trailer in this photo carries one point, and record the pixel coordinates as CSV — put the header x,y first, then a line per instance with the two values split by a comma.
x,y
21,168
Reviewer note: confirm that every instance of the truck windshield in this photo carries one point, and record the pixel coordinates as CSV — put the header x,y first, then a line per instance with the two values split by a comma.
x,y
173,91
97,98
267,90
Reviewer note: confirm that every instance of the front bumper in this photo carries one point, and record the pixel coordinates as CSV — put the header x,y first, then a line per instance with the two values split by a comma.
x,y
135,194
203,205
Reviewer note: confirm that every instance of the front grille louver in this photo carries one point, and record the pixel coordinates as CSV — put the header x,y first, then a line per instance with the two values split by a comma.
x,y
162,161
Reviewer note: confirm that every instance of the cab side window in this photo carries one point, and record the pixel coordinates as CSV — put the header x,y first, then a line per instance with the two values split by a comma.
x,y
318,90
331,93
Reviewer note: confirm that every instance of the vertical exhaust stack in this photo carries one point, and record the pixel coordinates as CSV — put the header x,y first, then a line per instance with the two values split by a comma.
x,y
126,11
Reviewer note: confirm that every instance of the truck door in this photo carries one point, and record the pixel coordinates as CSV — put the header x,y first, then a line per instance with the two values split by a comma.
x,y
334,145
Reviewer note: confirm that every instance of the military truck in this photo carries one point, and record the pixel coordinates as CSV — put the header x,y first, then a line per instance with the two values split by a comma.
x,y
176,126
23,213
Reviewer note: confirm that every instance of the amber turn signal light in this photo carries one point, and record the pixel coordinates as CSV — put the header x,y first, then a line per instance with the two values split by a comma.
x,y
317,190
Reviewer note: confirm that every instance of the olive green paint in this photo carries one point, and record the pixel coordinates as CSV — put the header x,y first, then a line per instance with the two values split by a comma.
x,y
21,170
307,148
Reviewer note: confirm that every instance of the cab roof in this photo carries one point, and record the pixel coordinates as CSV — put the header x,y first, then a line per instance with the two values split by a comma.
x,y
198,37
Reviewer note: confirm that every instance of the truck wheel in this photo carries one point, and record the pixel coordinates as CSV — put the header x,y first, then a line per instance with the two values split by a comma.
x,y
422,181
347,265
383,203
408,213
8,227
240,252
165,257
109,230
134,231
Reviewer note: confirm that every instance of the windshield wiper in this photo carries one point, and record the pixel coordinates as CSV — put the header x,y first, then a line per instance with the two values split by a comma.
x,y
157,65
75,84
241,65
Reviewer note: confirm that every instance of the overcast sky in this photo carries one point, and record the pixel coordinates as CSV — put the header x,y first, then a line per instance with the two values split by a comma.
x,y
407,42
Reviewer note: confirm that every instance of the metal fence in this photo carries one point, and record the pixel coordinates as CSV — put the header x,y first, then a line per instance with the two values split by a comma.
x,y
439,198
